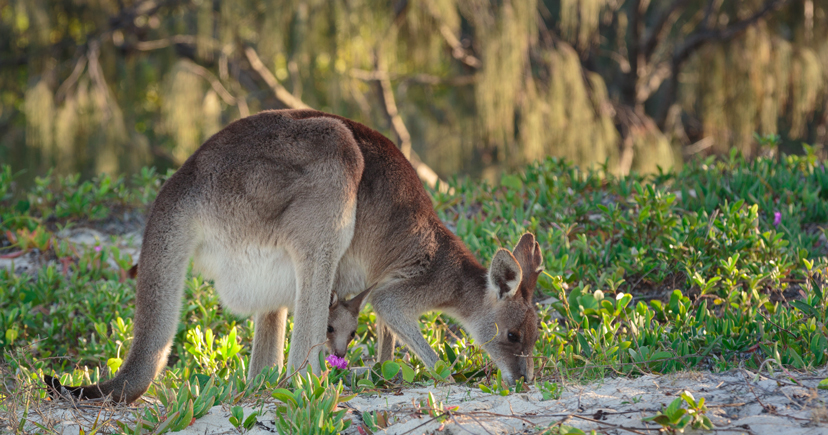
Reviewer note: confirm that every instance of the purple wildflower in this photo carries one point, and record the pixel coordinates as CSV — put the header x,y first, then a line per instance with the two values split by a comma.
x,y
777,218
98,248
338,362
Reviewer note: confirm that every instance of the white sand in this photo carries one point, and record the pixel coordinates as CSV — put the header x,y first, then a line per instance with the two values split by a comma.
x,y
736,403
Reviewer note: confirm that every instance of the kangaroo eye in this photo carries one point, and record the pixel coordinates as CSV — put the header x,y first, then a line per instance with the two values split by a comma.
x,y
330,329
353,334
513,337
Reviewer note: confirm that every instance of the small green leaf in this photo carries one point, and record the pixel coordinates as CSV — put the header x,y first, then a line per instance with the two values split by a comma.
x,y
250,421
11,335
512,182
114,364
450,353
390,369
408,373
282,395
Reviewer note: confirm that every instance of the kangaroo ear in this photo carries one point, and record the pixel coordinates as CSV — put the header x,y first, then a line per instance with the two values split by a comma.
x,y
505,274
334,299
528,254
355,304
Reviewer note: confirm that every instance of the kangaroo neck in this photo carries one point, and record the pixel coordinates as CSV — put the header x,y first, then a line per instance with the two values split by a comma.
x,y
466,282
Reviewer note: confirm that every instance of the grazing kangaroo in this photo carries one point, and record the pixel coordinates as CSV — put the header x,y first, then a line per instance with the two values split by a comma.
x,y
283,207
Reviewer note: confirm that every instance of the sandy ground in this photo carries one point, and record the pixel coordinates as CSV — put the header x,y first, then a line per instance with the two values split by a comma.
x,y
738,402
83,239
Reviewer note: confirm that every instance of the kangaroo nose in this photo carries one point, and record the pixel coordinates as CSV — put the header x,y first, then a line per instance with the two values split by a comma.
x,y
340,354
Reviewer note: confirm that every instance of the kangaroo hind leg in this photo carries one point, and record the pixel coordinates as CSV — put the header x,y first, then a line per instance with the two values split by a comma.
x,y
315,274
268,342
317,224
385,342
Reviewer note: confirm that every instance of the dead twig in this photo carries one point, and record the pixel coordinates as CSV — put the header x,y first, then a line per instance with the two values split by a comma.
x,y
282,94
389,105
389,102
617,426
426,79
71,80
457,50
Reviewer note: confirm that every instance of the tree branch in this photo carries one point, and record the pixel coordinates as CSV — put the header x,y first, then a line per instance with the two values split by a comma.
x,y
389,105
204,73
708,12
279,91
457,50
629,83
71,80
702,37
655,78
698,39
386,95
125,18
426,79
656,33
166,42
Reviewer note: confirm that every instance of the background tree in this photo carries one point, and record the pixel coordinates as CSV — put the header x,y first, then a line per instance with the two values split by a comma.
x,y
470,86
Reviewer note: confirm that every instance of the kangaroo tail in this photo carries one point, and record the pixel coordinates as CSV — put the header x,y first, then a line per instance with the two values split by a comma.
x,y
169,242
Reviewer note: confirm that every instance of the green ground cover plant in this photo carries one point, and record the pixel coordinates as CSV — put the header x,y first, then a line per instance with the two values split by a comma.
x,y
719,265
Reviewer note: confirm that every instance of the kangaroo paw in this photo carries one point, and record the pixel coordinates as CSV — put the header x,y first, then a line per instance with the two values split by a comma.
x,y
58,391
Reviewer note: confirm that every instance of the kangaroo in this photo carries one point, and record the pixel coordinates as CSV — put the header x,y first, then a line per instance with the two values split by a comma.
x,y
281,208
343,318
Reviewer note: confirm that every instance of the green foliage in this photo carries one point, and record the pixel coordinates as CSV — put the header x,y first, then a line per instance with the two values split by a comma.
x,y
436,409
558,428
675,419
210,359
238,420
191,401
311,407
501,388
550,390
375,420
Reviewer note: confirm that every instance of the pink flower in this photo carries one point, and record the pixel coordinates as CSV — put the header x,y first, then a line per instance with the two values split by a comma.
x,y
777,218
97,248
338,362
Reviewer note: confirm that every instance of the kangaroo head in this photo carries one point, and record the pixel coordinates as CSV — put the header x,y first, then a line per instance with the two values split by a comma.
x,y
342,322
511,329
